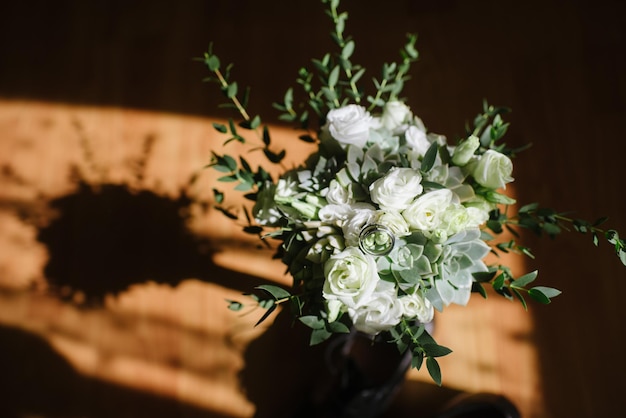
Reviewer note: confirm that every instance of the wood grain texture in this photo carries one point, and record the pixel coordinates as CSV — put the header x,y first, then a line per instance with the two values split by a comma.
x,y
113,273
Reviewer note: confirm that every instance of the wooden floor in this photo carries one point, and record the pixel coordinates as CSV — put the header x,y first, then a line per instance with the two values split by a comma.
x,y
114,270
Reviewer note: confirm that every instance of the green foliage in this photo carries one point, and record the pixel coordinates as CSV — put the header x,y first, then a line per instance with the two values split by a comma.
x,y
552,223
328,83
414,337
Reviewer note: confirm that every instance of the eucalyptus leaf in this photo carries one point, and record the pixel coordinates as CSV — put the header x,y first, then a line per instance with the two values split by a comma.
x,y
524,280
312,321
233,305
319,336
277,292
429,157
549,292
434,370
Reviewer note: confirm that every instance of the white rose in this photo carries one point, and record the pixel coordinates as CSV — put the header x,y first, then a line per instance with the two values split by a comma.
x,y
360,215
394,221
480,203
493,170
397,189
417,140
349,125
380,312
458,218
351,277
334,214
476,216
395,114
337,194
426,212
416,306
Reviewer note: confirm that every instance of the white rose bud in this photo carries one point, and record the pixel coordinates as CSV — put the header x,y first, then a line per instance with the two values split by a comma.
x,y
349,125
416,306
458,218
397,189
395,114
425,213
339,195
465,151
417,140
334,214
493,170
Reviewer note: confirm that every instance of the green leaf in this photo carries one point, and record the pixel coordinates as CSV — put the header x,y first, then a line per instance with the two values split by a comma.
x,y
312,321
418,359
266,136
333,78
244,165
551,229
429,157
347,50
436,350
357,76
319,335
528,208
519,296
549,292
228,179
288,99
267,313
480,289
409,48
538,296
524,280
276,292
498,282
434,370
256,121
218,196
213,62
220,127
483,276
338,327
432,185
231,90
233,305
273,157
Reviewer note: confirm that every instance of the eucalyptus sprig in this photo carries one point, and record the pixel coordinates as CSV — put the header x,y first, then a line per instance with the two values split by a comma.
x,y
385,222
505,284
490,128
231,90
542,220
335,79
413,336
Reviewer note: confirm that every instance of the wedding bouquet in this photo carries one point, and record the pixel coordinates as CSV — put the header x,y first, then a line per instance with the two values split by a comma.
x,y
385,222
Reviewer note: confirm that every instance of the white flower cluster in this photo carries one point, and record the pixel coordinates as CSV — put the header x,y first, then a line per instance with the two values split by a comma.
x,y
372,173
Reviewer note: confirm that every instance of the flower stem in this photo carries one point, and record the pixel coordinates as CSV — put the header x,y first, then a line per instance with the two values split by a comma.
x,y
234,99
